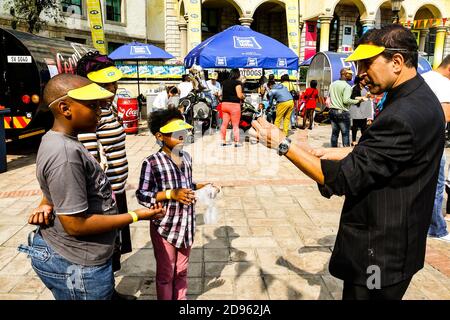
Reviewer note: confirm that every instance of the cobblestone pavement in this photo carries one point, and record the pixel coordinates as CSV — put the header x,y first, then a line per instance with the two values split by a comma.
x,y
273,238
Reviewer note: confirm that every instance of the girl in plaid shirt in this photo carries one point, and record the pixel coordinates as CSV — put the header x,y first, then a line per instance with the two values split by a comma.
x,y
166,176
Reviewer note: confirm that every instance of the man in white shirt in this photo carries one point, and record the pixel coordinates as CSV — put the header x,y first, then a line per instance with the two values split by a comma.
x,y
439,82
161,100
185,86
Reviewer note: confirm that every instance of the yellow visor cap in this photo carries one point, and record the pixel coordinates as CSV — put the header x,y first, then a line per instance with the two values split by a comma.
x,y
174,126
107,75
365,51
90,92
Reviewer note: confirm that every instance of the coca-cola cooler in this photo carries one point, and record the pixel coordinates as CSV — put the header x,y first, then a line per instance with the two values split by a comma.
x,y
128,112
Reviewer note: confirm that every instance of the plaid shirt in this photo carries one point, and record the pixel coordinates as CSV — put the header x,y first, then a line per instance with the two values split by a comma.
x,y
160,173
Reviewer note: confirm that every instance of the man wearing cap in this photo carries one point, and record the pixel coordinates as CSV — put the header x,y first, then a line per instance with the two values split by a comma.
x,y
72,255
340,95
389,179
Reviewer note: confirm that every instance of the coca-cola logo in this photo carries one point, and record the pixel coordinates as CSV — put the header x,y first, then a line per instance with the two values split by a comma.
x,y
131,113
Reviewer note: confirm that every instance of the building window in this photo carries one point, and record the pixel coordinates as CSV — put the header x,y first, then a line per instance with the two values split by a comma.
x,y
113,46
114,10
76,40
334,34
72,6
210,20
430,42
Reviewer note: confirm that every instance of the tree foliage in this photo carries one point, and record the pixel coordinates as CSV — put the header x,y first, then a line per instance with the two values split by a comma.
x,y
32,12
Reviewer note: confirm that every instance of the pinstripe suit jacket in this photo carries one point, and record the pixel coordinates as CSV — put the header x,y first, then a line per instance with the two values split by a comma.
x,y
389,182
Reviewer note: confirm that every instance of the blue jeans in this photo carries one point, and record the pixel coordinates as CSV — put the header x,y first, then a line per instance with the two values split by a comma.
x,y
66,280
438,226
340,122
293,119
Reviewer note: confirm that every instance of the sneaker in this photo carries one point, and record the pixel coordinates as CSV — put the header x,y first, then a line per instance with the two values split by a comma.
x,y
120,296
237,145
225,144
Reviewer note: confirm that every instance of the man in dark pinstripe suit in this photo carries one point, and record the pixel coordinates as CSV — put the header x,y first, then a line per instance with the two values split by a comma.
x,y
389,179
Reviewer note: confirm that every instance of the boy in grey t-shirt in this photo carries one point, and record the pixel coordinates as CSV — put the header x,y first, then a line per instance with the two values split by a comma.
x,y
73,256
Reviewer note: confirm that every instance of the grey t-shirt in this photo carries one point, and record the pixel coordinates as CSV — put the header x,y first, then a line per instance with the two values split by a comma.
x,y
74,182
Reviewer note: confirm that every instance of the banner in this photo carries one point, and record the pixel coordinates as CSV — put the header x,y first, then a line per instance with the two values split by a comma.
x,y
292,13
151,72
194,10
96,23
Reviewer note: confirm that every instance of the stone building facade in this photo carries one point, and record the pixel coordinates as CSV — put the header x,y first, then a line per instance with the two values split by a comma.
x,y
125,21
338,23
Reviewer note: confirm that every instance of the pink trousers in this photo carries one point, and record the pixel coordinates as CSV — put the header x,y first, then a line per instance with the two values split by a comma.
x,y
231,111
171,268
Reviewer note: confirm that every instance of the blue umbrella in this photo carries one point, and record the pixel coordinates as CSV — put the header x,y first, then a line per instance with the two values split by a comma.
x,y
136,51
241,47
139,51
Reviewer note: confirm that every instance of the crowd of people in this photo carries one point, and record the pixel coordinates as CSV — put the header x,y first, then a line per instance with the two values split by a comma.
x,y
393,178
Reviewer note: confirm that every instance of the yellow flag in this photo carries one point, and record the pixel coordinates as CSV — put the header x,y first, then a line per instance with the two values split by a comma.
x,y
425,22
292,13
96,23
415,23
194,10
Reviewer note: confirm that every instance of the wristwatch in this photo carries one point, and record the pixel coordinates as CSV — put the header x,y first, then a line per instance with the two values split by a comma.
x,y
283,147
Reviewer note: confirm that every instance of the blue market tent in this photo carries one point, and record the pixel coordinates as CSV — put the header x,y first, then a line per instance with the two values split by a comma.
x,y
241,47
136,51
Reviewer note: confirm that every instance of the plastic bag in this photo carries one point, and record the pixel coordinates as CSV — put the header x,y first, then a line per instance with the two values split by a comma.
x,y
207,196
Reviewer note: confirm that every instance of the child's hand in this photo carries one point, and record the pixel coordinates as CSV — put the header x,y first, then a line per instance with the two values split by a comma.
x,y
155,212
185,196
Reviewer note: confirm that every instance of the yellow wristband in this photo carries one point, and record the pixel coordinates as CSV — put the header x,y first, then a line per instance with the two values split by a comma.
x,y
133,215
168,194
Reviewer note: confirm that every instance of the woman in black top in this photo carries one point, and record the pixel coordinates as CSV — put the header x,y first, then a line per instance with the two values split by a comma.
x,y
232,94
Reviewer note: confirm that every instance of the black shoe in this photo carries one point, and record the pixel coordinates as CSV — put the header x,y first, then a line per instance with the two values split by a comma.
x,y
119,296
225,144
237,145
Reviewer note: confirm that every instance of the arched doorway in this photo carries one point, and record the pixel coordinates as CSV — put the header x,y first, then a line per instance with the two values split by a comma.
x,y
270,19
345,27
385,15
217,15
425,30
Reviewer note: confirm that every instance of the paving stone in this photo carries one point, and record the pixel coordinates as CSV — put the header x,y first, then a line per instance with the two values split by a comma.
x,y
297,288
218,286
138,263
8,231
7,283
128,285
242,254
195,269
29,285
21,237
250,288
6,255
20,265
217,255
272,240
261,231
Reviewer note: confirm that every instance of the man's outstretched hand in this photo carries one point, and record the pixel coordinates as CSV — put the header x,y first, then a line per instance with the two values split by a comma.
x,y
267,133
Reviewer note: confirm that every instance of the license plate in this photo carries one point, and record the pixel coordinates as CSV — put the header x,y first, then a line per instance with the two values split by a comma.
x,y
19,59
